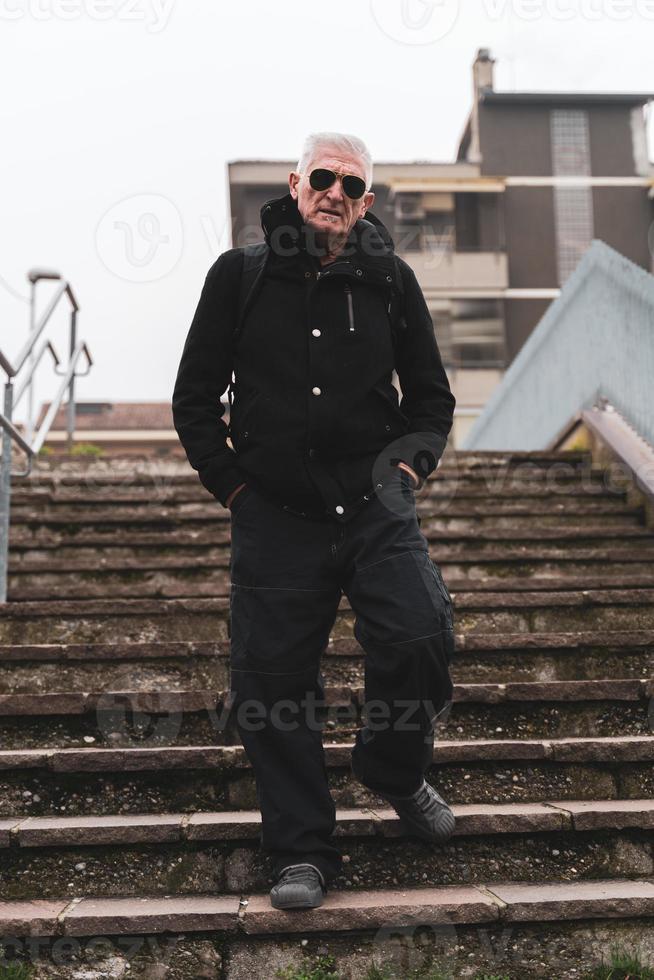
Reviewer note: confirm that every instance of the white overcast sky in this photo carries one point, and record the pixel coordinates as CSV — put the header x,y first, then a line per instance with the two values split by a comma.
x,y
119,116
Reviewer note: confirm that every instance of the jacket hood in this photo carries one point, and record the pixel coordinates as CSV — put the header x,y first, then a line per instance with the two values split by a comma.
x,y
369,235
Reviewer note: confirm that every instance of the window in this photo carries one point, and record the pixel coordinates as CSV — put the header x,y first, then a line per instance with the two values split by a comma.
x,y
470,332
573,206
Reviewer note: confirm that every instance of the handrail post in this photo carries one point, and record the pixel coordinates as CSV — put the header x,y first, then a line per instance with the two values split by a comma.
x,y
70,408
5,491
29,427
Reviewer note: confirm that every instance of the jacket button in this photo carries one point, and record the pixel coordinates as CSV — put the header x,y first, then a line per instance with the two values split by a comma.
x,y
307,275
389,279
316,332
359,272
388,428
316,390
339,509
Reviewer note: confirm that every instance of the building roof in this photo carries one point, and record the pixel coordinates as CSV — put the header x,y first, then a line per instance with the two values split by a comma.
x,y
489,95
110,416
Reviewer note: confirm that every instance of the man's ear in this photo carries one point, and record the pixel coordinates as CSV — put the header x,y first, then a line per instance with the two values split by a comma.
x,y
368,201
293,180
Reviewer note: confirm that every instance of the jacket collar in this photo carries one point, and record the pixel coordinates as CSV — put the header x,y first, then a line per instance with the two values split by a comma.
x,y
369,245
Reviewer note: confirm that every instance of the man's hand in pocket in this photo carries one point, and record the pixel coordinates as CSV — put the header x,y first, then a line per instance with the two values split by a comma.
x,y
228,502
405,466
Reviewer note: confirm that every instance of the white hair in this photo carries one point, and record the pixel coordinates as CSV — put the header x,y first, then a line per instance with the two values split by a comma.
x,y
338,141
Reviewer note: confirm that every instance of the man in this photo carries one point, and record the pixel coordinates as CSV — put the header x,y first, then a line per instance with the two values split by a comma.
x,y
320,485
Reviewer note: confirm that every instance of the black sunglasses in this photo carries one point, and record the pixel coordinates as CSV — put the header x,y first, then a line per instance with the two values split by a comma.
x,y
353,186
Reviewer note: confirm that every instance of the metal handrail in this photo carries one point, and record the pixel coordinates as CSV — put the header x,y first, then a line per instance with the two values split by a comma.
x,y
10,434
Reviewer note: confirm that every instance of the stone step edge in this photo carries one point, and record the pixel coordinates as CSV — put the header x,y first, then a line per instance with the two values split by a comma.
x,y
464,600
173,537
612,749
613,519
182,473
140,563
466,642
191,700
52,470
342,911
472,819
172,587
466,486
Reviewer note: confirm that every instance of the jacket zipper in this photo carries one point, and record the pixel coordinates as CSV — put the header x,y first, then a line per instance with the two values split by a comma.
x,y
350,308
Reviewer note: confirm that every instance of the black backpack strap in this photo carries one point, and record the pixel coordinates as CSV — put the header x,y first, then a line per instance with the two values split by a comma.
x,y
255,257
396,305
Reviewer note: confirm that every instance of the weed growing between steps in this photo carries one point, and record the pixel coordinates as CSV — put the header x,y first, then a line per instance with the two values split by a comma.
x,y
319,968
622,965
16,971
325,968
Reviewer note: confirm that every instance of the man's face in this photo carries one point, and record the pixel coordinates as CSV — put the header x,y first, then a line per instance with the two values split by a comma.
x,y
330,211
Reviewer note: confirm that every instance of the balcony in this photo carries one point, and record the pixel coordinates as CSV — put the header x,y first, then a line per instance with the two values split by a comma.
x,y
454,241
442,270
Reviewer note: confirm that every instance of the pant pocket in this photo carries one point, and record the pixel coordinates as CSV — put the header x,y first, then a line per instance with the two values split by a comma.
x,y
447,612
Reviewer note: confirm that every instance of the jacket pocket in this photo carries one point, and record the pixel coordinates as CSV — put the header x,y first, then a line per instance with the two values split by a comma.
x,y
243,420
393,418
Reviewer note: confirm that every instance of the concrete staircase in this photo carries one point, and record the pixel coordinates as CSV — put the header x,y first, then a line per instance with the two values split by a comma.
x,y
127,806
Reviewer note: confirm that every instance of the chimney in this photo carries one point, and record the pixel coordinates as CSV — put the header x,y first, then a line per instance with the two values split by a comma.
x,y
482,76
482,70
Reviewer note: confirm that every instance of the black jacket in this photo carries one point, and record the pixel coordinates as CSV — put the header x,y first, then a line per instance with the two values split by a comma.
x,y
314,405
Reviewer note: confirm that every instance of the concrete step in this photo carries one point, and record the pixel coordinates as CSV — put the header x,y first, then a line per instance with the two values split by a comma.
x,y
117,470
205,619
462,486
478,658
484,553
436,495
451,517
506,560
451,554
131,582
458,489
184,481
176,667
121,542
116,716
509,929
146,778
218,851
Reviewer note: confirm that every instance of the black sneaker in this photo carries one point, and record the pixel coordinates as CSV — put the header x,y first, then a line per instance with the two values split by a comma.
x,y
299,886
425,814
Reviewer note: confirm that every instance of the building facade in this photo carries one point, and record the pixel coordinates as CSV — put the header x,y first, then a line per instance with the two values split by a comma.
x,y
493,235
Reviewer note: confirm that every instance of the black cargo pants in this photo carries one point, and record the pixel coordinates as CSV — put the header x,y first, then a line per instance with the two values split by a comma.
x,y
287,577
